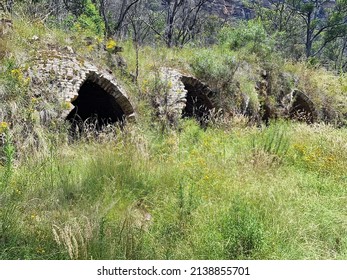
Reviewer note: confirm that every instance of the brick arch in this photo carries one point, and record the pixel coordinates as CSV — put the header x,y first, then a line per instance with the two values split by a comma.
x,y
182,95
107,82
101,97
302,107
198,99
57,75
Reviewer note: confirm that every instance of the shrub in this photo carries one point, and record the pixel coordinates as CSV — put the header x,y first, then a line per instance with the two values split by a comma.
x,y
215,66
90,22
250,36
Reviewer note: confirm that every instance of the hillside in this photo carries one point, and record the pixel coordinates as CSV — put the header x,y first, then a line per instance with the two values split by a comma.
x,y
112,148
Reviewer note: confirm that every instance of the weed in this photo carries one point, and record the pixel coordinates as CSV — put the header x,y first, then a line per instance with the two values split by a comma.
x,y
272,141
74,237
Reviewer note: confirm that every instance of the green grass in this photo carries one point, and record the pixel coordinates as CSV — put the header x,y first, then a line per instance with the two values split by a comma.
x,y
191,194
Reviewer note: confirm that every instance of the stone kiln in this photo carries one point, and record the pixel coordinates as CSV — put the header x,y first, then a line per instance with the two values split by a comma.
x,y
84,91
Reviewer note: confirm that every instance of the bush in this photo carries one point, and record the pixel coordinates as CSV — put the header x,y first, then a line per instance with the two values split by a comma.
x,y
250,36
217,68
90,21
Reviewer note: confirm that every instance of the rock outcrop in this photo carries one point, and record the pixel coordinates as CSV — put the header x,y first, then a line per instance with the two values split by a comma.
x,y
229,9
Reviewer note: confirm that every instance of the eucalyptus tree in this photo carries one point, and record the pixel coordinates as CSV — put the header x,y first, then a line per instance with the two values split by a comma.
x,y
315,23
323,20
115,14
183,20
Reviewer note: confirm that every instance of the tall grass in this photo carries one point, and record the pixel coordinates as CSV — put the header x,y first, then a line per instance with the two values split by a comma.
x,y
189,194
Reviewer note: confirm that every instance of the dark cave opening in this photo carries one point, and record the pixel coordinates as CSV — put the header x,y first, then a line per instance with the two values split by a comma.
x,y
301,110
94,108
198,105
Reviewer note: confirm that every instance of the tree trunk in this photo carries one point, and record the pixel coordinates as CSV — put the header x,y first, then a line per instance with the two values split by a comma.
x,y
308,43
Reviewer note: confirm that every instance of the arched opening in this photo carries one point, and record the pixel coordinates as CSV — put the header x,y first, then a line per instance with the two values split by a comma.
x,y
302,108
198,105
94,108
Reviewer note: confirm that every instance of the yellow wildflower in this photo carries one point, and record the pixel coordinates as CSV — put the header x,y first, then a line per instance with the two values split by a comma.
x,y
90,48
3,127
17,73
111,44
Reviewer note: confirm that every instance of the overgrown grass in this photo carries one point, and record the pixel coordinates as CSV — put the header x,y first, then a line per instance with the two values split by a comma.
x,y
191,194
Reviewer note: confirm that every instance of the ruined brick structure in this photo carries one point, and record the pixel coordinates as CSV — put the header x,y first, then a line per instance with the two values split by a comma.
x,y
85,91
184,96
82,88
